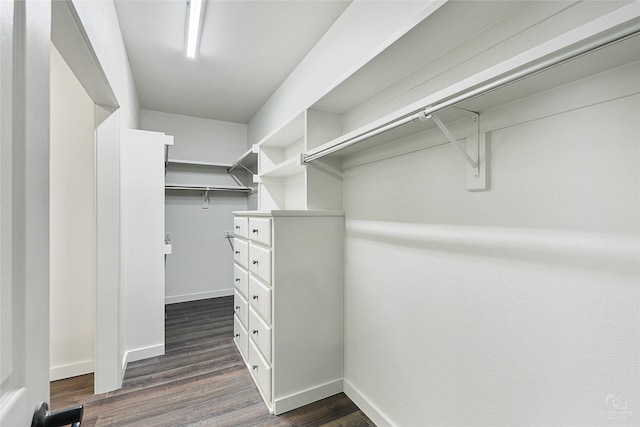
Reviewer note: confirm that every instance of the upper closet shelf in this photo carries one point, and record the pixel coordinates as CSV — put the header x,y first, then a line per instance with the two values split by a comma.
x,y
190,163
196,163
248,161
288,167
602,44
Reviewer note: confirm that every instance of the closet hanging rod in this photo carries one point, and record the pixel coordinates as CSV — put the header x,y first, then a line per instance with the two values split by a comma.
x,y
538,66
208,188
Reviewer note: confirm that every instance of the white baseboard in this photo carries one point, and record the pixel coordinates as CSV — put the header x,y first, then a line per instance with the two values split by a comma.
x,y
365,405
71,370
141,353
305,397
198,296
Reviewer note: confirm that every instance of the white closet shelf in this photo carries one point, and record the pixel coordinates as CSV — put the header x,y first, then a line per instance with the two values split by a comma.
x,y
248,161
602,44
287,168
197,187
197,163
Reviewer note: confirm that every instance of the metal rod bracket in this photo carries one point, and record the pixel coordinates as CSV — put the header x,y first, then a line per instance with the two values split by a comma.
x,y
454,141
205,198
474,153
477,149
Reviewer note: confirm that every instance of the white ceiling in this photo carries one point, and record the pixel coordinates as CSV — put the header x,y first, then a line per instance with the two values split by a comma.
x,y
247,49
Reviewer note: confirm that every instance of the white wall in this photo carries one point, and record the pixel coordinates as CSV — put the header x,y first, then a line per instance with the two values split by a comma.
x,y
199,139
516,306
72,224
200,265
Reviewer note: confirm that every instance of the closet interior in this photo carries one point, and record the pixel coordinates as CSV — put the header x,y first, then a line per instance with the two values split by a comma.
x,y
307,214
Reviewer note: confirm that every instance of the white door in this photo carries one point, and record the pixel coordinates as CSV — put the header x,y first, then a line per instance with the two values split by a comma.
x,y
24,209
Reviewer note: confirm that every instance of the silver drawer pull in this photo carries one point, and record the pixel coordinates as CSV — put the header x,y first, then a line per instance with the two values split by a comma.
x,y
237,227
237,335
255,297
237,307
255,332
237,279
254,367
255,261
255,230
237,252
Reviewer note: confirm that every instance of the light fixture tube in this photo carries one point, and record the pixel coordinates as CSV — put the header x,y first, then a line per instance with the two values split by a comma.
x,y
193,27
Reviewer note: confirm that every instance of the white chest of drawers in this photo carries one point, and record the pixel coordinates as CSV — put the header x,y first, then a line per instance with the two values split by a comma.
x,y
288,303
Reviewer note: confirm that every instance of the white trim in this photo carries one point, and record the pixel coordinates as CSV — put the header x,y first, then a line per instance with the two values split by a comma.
x,y
365,405
284,404
141,353
71,370
198,296
107,376
69,36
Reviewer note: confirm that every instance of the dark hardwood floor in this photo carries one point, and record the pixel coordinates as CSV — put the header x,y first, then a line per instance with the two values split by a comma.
x,y
200,381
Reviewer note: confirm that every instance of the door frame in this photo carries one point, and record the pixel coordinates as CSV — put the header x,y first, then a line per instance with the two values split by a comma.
x,y
71,40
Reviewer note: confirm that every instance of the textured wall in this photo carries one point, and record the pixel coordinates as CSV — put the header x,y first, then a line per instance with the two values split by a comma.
x,y
516,306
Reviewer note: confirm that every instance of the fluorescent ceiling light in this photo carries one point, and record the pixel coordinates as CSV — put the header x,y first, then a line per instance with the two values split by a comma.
x,y
193,27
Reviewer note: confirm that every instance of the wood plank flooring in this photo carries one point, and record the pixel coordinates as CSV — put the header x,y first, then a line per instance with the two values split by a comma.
x,y
200,381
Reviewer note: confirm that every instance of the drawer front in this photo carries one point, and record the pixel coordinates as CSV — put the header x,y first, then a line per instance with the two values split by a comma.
x,y
241,308
241,280
260,371
260,230
241,338
241,252
240,226
260,262
260,298
260,334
